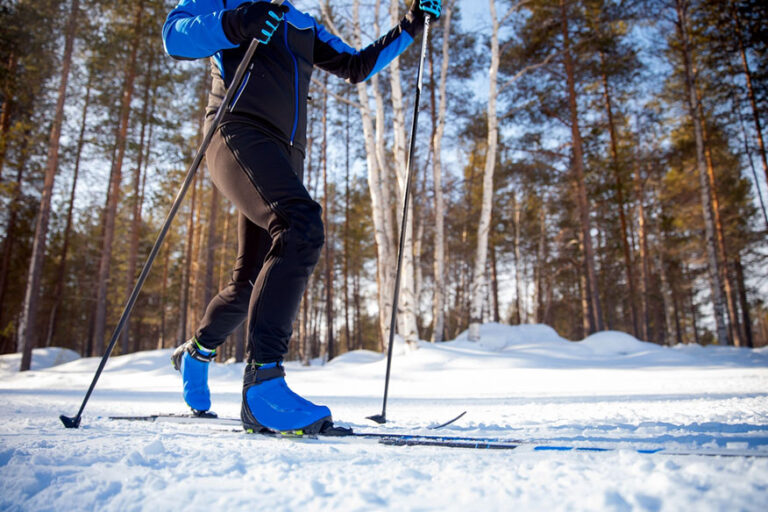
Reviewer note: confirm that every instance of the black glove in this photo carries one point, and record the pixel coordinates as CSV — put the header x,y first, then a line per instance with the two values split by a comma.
x,y
253,20
423,7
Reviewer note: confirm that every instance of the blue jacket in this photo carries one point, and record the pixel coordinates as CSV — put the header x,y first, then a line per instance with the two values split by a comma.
x,y
275,89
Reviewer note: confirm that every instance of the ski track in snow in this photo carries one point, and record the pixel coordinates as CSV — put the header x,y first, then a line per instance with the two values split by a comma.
x,y
520,382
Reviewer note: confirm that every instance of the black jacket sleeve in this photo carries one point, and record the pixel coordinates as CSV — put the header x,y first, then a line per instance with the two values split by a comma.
x,y
335,56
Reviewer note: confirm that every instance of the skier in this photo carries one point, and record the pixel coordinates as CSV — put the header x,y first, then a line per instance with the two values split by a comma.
x,y
256,160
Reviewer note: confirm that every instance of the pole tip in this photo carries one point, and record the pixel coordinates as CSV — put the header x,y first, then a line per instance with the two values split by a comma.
x,y
378,418
70,422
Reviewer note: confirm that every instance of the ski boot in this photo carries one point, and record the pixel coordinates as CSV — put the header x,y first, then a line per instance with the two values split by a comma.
x,y
270,405
192,359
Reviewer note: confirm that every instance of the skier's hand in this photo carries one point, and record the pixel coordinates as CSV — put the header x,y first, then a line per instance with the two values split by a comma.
x,y
423,7
253,20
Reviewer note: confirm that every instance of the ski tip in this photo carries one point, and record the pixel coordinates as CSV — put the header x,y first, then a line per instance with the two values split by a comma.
x,y
435,427
70,422
378,418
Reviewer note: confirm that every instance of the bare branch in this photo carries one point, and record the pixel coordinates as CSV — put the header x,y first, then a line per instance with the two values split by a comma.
x,y
512,10
528,68
342,99
327,21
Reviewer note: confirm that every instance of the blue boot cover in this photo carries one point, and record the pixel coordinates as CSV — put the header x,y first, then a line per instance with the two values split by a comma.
x,y
192,361
269,403
194,373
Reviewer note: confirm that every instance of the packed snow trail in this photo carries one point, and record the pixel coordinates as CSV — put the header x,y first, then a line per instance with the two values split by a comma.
x,y
519,382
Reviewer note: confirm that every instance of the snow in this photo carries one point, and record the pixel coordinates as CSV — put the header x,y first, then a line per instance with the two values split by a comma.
x,y
522,382
42,358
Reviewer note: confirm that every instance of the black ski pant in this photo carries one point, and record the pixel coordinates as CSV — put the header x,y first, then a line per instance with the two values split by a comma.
x,y
280,235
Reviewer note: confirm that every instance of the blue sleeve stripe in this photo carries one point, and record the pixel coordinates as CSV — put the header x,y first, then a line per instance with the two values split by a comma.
x,y
391,52
333,41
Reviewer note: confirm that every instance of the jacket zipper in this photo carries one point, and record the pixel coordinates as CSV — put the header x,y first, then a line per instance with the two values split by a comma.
x,y
295,86
242,88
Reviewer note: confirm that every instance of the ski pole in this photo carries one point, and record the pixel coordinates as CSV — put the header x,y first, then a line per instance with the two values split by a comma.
x,y
74,422
382,418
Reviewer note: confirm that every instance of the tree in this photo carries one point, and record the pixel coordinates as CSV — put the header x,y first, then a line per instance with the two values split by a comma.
x,y
438,132
110,214
478,280
681,6
28,333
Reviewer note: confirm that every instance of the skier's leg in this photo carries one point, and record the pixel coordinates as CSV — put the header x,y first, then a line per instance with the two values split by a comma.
x,y
268,190
229,308
225,313
261,177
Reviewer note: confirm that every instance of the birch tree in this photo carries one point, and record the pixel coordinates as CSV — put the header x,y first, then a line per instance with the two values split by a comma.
x,y
713,265
438,309
407,324
375,163
484,225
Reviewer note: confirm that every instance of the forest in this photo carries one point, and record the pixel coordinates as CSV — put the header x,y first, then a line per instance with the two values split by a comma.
x,y
587,164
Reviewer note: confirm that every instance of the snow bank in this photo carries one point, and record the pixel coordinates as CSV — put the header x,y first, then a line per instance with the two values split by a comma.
x,y
615,343
42,358
495,336
519,382
540,346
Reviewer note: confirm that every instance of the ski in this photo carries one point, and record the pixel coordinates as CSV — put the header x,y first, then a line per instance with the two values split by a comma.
x,y
338,434
344,435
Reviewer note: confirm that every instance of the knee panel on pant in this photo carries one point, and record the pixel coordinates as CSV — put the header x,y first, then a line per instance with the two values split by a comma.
x,y
303,232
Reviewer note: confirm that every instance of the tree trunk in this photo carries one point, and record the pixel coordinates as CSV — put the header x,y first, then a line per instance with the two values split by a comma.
x,y
585,310
517,319
358,311
28,333
628,265
328,233
380,201
224,250
438,308
541,266
732,310
495,284
347,332
645,266
198,269
57,295
667,302
596,321
8,244
163,298
676,305
713,266
7,109
305,342
746,318
484,225
407,323
213,245
187,270
133,250
110,214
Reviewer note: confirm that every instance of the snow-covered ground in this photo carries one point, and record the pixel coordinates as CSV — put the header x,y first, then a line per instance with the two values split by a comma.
x,y
520,382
